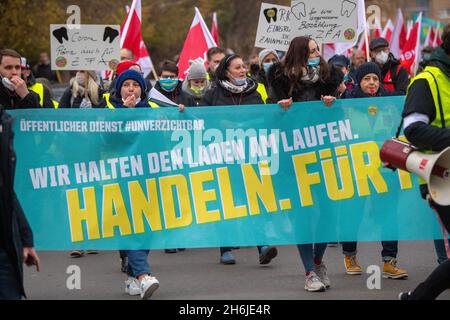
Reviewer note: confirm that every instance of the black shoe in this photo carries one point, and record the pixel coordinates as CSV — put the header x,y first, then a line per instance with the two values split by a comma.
x,y
404,296
170,251
267,254
182,249
124,264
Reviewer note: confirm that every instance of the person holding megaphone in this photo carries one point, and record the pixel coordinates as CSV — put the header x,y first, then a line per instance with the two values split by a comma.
x,y
426,125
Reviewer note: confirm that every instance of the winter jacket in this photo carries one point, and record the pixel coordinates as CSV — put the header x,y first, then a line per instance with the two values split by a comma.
x,y
10,100
15,232
279,86
400,80
69,102
220,96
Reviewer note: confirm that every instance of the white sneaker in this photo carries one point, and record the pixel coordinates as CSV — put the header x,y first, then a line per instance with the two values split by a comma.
x,y
148,285
132,287
313,283
321,272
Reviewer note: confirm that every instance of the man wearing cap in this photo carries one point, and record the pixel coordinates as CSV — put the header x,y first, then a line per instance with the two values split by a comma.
x,y
14,93
343,63
395,77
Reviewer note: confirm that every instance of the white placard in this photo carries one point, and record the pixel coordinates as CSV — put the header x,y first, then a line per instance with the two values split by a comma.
x,y
89,47
324,20
274,27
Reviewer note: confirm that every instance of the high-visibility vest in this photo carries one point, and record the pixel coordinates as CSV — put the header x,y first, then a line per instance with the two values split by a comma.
x,y
39,89
437,79
55,104
109,105
262,91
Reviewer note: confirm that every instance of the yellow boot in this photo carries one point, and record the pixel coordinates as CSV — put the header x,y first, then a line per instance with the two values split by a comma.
x,y
352,266
390,270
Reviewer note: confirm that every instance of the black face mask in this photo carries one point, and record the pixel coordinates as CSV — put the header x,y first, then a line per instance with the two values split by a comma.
x,y
254,68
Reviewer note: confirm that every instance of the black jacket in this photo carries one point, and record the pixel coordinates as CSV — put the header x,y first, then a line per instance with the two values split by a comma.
x,y
400,80
68,102
15,232
358,93
10,100
177,96
279,86
220,96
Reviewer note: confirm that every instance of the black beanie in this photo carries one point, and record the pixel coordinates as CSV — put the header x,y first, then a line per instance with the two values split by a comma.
x,y
365,69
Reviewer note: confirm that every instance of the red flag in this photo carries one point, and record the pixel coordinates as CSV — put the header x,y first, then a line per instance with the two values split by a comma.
x,y
131,37
398,39
410,55
215,28
430,37
199,40
388,31
437,40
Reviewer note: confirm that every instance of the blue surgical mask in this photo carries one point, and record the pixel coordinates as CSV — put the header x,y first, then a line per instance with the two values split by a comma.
x,y
314,62
169,84
346,78
238,82
267,66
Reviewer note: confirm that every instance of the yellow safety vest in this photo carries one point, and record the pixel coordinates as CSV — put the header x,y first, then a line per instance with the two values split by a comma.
x,y
39,89
262,91
107,96
55,104
437,79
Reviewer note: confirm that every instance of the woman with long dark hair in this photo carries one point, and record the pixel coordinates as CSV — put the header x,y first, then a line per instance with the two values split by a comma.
x,y
303,75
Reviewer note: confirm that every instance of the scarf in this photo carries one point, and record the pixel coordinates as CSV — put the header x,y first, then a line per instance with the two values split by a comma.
x,y
311,75
234,88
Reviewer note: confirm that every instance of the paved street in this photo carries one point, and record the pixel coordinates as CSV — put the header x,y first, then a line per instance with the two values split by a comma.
x,y
197,275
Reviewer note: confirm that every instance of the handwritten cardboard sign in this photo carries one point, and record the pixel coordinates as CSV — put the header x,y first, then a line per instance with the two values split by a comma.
x,y
274,27
324,20
89,47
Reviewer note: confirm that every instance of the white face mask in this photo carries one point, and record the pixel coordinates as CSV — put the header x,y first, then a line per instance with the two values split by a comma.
x,y
382,57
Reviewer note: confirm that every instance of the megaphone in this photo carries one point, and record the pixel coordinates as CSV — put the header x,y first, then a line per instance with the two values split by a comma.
x,y
433,168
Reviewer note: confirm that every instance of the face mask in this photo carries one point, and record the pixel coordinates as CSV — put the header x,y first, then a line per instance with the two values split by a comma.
x,y
239,82
314,62
382,57
197,90
267,66
169,84
426,57
8,84
81,79
346,78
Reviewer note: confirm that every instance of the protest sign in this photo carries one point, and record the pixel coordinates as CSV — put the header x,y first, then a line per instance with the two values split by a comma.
x,y
89,47
211,177
274,27
325,21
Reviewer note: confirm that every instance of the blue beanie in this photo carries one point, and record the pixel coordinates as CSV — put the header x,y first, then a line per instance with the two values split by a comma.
x,y
131,75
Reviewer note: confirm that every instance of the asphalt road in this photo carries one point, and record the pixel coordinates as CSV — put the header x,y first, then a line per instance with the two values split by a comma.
x,y
196,274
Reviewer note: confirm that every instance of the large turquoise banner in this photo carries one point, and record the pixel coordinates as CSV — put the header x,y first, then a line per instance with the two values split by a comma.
x,y
209,177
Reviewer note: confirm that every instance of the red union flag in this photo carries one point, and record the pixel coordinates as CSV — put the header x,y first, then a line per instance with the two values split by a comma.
x,y
197,44
215,28
409,58
131,37
398,36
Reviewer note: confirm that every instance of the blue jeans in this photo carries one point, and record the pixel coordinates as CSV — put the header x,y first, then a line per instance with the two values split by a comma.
x,y
309,252
138,263
439,245
9,283
390,249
